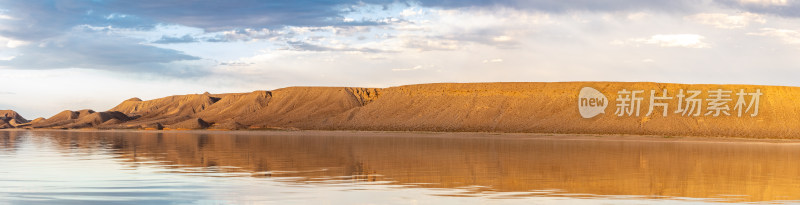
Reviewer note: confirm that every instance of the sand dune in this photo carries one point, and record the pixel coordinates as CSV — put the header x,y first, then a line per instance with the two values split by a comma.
x,y
473,107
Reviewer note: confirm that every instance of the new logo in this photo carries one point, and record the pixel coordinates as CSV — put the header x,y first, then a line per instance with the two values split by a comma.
x,y
591,102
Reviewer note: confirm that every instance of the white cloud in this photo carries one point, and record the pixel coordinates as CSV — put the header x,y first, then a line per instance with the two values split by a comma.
x,y
668,40
6,17
116,16
418,67
16,43
788,36
726,21
410,12
12,43
766,2
496,60
254,34
423,44
7,58
501,39
638,16
444,29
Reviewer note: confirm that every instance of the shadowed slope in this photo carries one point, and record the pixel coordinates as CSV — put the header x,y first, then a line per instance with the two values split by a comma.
x,y
10,119
62,118
10,114
308,107
79,119
167,110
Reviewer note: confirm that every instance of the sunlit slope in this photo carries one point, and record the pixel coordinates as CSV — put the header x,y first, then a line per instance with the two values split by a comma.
x,y
482,107
553,108
286,108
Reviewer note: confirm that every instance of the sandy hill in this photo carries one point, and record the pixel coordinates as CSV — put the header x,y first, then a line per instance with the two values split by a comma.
x,y
11,119
10,114
288,107
481,107
78,119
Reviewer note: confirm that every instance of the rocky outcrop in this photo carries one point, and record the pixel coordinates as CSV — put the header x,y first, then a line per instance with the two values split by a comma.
x,y
11,119
190,124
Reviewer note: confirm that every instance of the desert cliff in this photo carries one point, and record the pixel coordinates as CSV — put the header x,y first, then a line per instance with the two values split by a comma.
x,y
720,110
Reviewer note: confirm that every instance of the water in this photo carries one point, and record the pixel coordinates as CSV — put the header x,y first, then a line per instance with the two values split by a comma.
x,y
90,167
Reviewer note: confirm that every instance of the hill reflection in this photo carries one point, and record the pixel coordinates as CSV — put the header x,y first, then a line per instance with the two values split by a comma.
x,y
525,167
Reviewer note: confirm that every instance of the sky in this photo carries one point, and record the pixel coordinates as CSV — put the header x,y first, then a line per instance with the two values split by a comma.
x,y
73,54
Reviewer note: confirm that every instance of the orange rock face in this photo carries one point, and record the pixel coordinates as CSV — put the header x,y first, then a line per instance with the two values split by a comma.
x,y
717,110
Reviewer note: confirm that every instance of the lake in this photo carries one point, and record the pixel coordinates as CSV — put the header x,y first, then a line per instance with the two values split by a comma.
x,y
280,167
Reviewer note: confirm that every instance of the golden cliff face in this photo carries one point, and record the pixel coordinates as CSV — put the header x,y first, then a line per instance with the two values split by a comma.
x,y
487,107
553,108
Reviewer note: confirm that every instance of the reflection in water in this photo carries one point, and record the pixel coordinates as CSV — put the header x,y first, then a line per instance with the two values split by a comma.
x,y
497,167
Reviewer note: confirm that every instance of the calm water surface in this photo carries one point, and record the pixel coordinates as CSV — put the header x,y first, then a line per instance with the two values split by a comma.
x,y
68,167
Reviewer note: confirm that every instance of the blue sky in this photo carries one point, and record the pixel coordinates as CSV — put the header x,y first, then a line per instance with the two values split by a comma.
x,y
71,54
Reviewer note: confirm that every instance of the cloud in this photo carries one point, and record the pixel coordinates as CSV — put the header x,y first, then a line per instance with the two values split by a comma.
x,y
43,19
442,30
284,33
305,46
236,63
11,43
410,12
668,40
787,8
237,14
92,50
426,44
169,39
418,67
569,5
496,60
248,34
46,18
765,2
784,8
726,21
37,20
786,35
6,17
83,34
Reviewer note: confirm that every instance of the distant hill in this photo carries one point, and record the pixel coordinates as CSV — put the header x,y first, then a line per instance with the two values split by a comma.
x,y
10,118
457,107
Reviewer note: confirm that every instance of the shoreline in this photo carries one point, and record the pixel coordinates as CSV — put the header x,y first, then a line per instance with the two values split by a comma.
x,y
464,135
